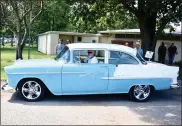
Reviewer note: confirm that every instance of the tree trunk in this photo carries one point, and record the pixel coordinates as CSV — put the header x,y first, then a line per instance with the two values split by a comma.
x,y
148,33
19,52
31,41
19,47
3,41
12,41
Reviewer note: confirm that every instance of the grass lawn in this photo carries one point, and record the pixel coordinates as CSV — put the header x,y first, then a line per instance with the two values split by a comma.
x,y
179,64
8,55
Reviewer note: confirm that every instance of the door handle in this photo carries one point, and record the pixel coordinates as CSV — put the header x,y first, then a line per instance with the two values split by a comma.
x,y
85,74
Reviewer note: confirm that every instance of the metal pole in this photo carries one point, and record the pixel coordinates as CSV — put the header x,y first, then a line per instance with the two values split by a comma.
x,y
29,35
181,40
29,43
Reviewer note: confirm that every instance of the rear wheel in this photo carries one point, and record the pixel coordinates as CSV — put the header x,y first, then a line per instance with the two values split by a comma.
x,y
31,90
140,93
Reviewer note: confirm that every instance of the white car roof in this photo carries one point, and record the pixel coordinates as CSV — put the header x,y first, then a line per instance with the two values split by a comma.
x,y
115,47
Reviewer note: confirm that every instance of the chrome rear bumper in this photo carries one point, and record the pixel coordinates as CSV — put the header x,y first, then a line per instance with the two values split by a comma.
x,y
174,86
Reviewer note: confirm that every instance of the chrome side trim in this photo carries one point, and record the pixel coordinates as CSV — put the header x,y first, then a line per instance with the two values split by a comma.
x,y
52,73
75,73
38,73
125,77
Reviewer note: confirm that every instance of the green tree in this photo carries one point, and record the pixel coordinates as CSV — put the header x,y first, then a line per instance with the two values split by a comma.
x,y
153,16
17,16
54,17
93,16
4,32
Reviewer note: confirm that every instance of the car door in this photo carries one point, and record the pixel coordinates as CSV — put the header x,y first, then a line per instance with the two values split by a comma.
x,y
122,70
84,78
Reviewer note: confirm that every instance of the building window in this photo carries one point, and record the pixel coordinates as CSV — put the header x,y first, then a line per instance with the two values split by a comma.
x,y
93,41
79,39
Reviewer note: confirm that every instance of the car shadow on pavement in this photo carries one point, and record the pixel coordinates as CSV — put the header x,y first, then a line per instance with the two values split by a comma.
x,y
164,107
114,99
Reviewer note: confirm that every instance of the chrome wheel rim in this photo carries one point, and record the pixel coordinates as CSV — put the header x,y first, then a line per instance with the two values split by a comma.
x,y
31,90
141,92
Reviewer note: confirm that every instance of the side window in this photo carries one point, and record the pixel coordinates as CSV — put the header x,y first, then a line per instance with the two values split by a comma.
x,y
116,57
64,54
88,56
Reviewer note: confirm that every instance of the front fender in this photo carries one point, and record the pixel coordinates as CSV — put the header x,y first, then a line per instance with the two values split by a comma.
x,y
50,76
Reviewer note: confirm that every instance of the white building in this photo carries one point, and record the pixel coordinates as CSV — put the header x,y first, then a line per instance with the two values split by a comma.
x,y
48,41
132,35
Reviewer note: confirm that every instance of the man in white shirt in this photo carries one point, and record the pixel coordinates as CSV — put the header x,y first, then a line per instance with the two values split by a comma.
x,y
91,57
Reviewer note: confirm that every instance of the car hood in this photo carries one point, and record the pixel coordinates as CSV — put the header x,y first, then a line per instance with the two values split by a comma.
x,y
37,62
34,65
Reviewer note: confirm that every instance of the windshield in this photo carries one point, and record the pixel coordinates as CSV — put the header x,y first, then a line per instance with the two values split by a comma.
x,y
64,54
141,59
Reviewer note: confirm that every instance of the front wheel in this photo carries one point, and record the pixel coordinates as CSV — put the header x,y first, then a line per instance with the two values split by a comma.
x,y
140,93
31,90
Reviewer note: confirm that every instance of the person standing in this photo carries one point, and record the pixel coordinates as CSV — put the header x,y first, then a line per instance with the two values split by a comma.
x,y
172,51
138,48
126,44
59,47
68,41
161,53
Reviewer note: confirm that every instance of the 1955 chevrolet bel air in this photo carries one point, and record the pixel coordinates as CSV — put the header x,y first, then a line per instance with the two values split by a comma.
x,y
119,69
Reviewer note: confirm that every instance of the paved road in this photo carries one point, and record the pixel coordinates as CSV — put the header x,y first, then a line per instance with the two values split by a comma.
x,y
163,108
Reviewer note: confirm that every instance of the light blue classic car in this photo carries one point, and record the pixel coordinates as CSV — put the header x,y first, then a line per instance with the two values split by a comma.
x,y
91,68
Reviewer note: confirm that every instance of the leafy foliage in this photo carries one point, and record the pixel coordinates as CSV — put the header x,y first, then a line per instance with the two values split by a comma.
x,y
179,64
17,16
93,16
151,16
53,18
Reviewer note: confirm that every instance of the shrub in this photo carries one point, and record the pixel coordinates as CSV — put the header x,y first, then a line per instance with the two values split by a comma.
x,y
179,64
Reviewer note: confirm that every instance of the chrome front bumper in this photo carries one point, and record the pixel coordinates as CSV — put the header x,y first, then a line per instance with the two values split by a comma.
x,y
6,87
